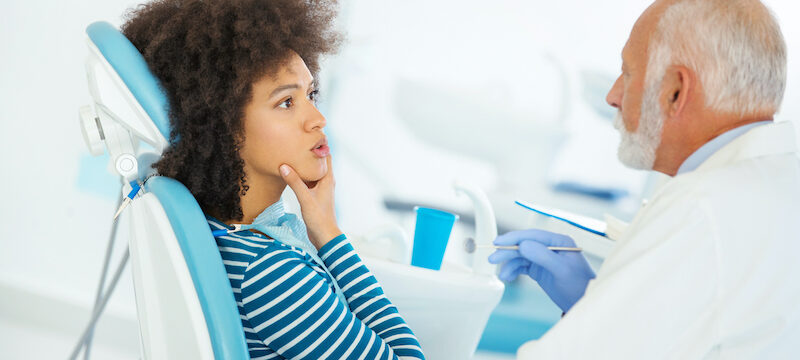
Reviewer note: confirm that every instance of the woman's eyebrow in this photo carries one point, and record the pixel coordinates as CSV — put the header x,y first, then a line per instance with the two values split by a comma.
x,y
283,87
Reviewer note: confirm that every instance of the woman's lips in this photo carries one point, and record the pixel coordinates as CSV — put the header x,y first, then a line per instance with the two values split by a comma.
x,y
322,151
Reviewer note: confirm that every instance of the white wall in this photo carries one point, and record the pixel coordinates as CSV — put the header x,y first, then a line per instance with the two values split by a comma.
x,y
468,87
55,216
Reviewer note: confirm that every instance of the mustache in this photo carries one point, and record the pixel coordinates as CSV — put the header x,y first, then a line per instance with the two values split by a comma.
x,y
618,123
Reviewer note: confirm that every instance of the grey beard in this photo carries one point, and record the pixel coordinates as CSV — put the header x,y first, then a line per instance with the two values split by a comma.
x,y
637,149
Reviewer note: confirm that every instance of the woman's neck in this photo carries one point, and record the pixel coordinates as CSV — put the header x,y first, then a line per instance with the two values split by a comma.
x,y
261,193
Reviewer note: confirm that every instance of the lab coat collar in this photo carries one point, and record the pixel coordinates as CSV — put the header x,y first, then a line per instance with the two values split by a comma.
x,y
704,152
770,139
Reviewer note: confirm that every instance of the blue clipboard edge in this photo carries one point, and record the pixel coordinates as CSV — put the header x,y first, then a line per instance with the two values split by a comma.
x,y
579,226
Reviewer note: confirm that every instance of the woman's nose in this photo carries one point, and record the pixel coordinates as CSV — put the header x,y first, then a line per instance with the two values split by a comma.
x,y
314,119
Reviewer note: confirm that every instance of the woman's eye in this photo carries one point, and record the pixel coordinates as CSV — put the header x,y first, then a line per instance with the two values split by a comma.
x,y
286,103
313,95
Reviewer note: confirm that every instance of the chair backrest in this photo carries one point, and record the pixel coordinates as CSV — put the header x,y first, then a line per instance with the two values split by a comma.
x,y
184,300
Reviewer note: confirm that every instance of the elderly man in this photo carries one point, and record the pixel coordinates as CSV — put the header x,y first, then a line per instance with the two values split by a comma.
x,y
709,267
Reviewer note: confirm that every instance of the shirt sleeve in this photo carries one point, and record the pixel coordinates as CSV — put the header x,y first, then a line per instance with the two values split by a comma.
x,y
294,311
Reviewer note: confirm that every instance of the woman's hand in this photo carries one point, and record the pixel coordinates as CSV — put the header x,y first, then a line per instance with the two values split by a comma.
x,y
316,204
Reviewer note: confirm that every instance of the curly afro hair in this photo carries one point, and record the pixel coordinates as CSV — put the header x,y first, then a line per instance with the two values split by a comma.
x,y
207,54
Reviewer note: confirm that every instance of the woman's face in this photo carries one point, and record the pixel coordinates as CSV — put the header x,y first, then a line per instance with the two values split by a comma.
x,y
283,126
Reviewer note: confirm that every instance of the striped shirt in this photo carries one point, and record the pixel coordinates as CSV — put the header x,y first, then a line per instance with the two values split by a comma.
x,y
289,309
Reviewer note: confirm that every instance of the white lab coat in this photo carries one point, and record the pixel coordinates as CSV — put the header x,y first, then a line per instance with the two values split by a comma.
x,y
709,269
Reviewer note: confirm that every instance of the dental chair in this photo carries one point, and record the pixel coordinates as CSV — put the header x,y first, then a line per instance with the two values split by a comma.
x,y
184,301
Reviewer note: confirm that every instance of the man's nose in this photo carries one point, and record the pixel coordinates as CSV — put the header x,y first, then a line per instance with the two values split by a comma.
x,y
614,97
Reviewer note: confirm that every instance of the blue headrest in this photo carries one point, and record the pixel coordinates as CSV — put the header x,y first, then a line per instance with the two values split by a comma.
x,y
132,69
205,266
187,219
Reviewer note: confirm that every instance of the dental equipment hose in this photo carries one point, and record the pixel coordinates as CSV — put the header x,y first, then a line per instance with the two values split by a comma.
x,y
98,296
101,299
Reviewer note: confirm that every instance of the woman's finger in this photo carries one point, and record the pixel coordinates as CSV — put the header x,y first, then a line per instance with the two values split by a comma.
x,y
296,183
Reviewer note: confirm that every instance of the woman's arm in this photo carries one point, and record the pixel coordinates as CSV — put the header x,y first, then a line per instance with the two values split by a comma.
x,y
366,299
295,312
371,325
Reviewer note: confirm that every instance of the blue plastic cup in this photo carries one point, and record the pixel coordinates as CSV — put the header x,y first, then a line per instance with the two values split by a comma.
x,y
431,233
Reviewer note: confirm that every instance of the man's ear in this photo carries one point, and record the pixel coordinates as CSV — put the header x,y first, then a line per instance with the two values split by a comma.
x,y
677,87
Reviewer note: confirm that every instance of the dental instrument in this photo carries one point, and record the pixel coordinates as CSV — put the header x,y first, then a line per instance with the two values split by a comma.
x,y
470,246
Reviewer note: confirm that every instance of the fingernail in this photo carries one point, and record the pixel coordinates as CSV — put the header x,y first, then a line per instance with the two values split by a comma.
x,y
284,170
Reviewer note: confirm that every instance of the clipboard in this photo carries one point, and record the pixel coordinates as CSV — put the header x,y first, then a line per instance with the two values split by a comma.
x,y
593,226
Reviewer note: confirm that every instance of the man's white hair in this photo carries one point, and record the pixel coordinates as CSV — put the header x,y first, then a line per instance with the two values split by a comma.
x,y
734,46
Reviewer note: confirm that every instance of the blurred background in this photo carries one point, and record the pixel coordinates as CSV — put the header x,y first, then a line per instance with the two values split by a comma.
x,y
507,94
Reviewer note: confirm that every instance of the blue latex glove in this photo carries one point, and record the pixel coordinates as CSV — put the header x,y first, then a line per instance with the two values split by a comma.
x,y
563,275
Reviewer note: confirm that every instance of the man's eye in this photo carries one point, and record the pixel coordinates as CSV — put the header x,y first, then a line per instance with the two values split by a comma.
x,y
286,103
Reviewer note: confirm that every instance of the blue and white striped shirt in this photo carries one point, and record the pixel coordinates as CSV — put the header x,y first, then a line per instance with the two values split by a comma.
x,y
289,309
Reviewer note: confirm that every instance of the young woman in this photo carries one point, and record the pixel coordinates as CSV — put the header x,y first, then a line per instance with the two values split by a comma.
x,y
239,76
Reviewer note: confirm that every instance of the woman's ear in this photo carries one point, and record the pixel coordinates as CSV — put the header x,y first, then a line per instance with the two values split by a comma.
x,y
676,89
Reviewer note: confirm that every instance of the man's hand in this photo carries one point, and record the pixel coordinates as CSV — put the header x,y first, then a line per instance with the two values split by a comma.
x,y
316,204
563,275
